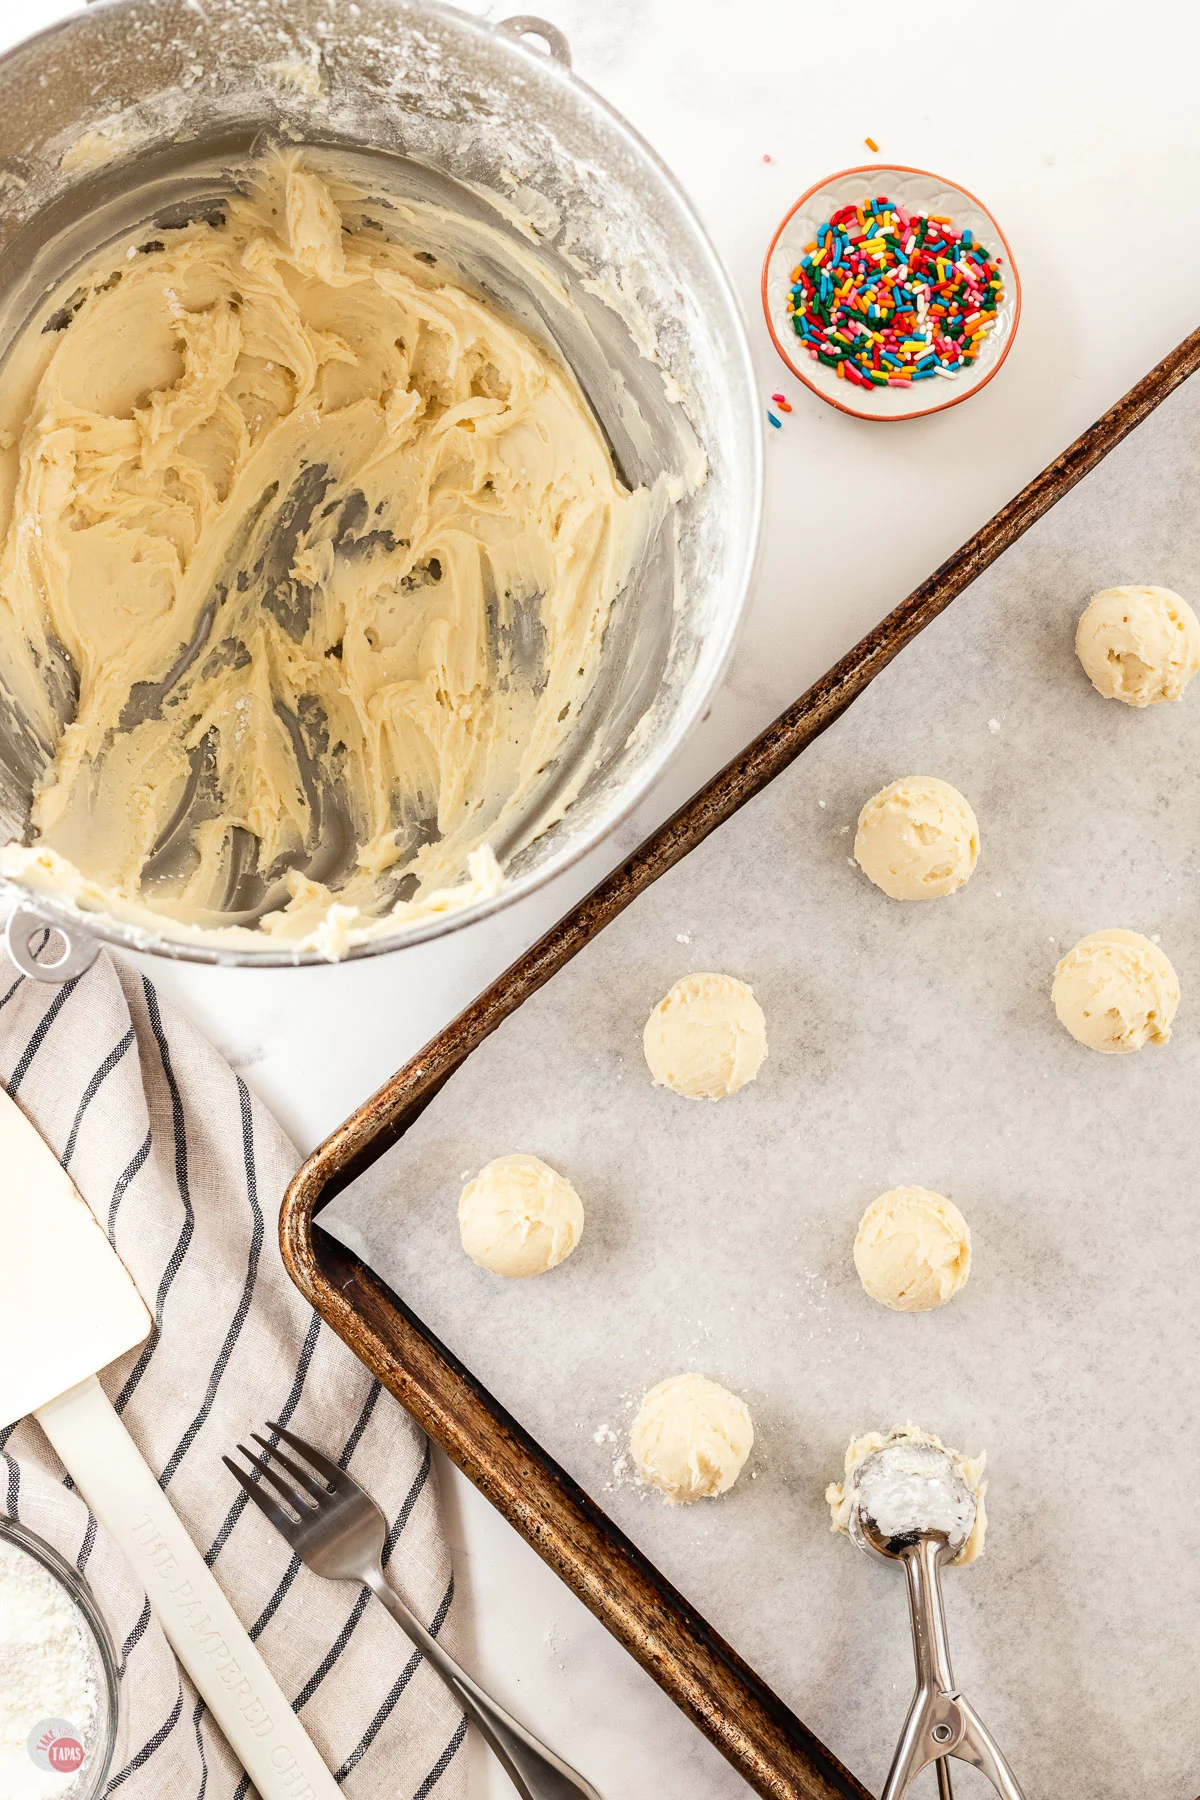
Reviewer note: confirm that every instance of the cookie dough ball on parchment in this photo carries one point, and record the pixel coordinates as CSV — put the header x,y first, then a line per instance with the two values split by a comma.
x,y
691,1438
917,838
913,1250
1139,644
1116,991
706,1038
519,1217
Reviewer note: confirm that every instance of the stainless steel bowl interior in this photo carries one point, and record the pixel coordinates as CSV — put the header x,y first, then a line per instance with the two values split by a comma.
x,y
136,112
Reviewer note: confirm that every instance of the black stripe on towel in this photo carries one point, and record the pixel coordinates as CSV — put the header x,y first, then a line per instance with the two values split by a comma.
x,y
402,1680
293,1569
335,1650
197,1715
184,1239
41,945
88,1544
373,1729
153,1743
177,1116
284,1415
136,1635
410,1500
364,1418
439,1617
443,1762
356,1611
93,1088
239,1318
136,1162
276,1601
41,1032
12,1496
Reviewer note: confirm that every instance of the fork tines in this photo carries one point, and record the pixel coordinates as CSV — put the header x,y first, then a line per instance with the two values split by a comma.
x,y
330,1479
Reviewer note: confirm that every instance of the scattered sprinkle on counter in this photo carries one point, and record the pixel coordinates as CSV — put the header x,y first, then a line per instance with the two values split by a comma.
x,y
777,423
871,145
889,298
782,402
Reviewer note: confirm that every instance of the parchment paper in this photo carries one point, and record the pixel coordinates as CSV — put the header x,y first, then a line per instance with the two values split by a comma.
x,y
908,1044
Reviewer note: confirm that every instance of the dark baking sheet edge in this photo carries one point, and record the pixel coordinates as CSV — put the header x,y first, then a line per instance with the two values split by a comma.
x,y
763,1739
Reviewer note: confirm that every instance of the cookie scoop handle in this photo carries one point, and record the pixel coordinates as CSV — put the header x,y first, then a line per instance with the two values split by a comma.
x,y
941,1722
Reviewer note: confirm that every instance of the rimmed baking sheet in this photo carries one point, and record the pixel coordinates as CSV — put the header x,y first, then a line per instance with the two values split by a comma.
x,y
907,1044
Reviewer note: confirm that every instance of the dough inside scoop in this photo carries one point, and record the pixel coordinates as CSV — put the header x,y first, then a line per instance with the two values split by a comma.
x,y
320,548
912,1495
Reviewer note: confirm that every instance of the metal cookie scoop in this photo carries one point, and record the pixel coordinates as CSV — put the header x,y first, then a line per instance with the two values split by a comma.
x,y
910,1504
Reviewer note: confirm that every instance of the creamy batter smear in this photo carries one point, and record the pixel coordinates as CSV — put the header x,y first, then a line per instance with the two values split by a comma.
x,y
327,545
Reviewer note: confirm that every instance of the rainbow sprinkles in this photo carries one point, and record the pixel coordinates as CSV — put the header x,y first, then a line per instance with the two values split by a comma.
x,y
888,297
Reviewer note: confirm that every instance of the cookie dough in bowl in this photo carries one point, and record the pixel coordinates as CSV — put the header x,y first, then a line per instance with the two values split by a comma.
x,y
1139,644
330,546
293,353
913,1250
917,838
1115,991
519,1217
691,1438
706,1038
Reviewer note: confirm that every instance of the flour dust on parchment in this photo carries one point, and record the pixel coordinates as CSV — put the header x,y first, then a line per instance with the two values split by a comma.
x,y
306,556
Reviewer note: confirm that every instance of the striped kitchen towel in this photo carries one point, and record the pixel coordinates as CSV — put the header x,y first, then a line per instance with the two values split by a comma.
x,y
185,1170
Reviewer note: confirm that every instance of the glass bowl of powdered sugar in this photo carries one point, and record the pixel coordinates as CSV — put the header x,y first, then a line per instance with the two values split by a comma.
x,y
59,1708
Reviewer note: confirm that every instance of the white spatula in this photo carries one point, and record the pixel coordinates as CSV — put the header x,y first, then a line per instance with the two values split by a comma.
x,y
68,1307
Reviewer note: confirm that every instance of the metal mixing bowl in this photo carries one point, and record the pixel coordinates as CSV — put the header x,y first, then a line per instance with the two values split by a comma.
x,y
134,112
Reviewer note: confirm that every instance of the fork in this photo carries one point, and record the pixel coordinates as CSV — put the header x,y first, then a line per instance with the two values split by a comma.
x,y
335,1528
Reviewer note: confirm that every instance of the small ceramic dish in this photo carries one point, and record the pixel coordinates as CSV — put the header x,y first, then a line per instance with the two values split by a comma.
x,y
917,191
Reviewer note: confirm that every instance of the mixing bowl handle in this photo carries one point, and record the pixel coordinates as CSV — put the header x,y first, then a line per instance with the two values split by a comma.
x,y
524,25
25,923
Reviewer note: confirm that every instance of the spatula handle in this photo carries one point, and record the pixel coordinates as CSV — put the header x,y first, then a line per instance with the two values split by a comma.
x,y
204,1631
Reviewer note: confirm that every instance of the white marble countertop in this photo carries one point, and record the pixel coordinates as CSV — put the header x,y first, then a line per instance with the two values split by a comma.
x,y
1074,122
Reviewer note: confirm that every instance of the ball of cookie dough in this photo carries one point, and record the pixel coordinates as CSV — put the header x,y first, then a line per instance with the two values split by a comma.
x,y
913,1250
691,1438
519,1217
1116,991
1139,644
706,1038
917,838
